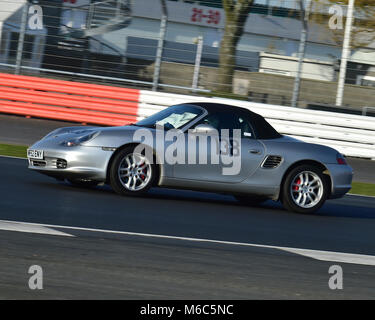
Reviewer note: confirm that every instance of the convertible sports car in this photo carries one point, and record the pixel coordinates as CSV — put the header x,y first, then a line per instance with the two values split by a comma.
x,y
263,164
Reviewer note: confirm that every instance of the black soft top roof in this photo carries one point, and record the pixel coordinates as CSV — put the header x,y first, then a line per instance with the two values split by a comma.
x,y
213,107
263,130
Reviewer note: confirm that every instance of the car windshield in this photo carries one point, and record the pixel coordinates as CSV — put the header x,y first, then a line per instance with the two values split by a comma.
x,y
174,117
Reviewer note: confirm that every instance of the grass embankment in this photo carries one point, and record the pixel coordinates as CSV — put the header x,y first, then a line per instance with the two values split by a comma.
x,y
13,150
367,189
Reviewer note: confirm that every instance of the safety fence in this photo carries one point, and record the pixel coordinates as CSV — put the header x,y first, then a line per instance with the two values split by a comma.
x,y
107,105
176,46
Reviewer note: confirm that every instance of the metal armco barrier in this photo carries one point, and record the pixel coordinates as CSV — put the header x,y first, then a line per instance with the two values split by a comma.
x,y
350,134
66,100
107,105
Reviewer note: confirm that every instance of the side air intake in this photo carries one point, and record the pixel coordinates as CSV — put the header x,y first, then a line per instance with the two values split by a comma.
x,y
272,162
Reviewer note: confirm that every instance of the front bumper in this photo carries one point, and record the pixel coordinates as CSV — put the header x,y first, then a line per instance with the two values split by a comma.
x,y
341,177
82,162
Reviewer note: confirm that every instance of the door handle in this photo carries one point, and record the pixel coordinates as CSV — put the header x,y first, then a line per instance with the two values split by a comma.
x,y
254,151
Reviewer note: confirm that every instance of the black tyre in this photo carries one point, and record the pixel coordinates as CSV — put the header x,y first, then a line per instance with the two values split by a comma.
x,y
131,172
83,183
251,200
305,189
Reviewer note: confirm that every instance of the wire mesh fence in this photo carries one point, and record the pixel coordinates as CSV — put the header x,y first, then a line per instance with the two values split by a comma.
x,y
176,46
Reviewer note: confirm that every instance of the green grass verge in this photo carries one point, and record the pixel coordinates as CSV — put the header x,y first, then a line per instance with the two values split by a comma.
x,y
13,150
367,189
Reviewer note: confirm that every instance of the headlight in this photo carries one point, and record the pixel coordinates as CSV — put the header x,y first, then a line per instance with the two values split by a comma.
x,y
79,140
53,133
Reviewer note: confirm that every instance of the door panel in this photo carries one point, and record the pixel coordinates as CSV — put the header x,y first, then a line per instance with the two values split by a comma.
x,y
224,168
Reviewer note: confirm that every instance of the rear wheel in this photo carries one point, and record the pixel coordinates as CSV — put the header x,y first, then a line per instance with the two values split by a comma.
x,y
131,172
305,189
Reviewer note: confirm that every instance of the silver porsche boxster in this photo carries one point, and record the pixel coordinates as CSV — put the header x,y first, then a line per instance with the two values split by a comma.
x,y
197,146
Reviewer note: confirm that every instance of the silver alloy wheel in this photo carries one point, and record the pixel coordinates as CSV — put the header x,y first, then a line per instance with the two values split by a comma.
x,y
306,189
134,171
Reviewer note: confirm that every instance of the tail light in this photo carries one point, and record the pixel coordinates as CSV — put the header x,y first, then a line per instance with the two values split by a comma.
x,y
340,159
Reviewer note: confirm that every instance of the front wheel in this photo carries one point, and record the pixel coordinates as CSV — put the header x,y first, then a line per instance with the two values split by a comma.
x,y
131,172
305,189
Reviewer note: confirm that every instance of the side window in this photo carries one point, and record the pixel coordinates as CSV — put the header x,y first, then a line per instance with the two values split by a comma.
x,y
230,121
246,128
212,120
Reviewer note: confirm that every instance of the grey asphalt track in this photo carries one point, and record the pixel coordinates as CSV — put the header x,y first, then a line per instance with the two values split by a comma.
x,y
20,130
113,266
25,131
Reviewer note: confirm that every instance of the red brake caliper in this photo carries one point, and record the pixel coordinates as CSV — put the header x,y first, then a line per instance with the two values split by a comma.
x,y
143,172
296,188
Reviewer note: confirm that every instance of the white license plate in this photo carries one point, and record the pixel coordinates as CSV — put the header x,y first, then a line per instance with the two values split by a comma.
x,y
35,154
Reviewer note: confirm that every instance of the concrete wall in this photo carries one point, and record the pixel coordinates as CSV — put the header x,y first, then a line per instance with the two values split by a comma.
x,y
262,87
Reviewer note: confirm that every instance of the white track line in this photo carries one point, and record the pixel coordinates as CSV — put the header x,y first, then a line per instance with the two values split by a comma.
x,y
334,256
359,195
315,254
30,228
